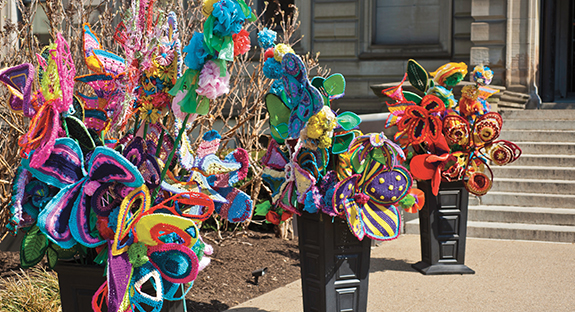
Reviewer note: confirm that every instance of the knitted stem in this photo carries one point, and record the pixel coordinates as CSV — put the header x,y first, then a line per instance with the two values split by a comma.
x,y
136,122
145,129
172,152
161,138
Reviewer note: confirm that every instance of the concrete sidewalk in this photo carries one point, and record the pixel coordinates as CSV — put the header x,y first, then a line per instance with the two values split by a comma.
x,y
510,276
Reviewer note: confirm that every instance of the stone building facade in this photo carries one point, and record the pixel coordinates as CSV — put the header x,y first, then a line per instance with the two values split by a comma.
x,y
370,41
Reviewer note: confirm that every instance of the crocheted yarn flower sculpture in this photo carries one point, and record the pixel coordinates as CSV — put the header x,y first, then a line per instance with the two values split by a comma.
x,y
319,161
453,140
80,190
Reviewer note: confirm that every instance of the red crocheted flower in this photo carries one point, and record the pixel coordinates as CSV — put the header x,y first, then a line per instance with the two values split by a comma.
x,y
241,42
421,122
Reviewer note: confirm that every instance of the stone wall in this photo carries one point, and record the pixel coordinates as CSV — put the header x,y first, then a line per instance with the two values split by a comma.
x,y
502,34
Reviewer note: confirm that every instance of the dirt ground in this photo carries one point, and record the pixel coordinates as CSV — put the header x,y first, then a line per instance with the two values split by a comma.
x,y
228,280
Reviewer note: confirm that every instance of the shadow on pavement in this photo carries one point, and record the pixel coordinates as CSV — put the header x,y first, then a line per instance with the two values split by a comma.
x,y
250,309
213,306
385,264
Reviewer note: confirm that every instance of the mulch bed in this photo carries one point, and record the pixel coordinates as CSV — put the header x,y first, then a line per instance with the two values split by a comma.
x,y
228,280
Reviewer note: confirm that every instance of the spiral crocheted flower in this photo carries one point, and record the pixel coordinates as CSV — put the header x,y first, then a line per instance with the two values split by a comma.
x,y
197,52
210,84
266,38
241,42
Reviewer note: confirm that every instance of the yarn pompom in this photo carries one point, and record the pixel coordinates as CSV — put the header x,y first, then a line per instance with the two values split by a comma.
x,y
280,50
241,42
211,84
211,135
273,69
229,18
266,38
197,52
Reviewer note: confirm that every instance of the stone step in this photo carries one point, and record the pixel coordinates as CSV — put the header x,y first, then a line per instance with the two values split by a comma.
x,y
547,148
533,186
525,124
538,135
533,172
529,199
538,114
516,231
545,160
521,231
528,215
558,106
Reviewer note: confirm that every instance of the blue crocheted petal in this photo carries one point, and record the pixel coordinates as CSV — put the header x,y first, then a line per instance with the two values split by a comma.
x,y
309,204
63,167
239,207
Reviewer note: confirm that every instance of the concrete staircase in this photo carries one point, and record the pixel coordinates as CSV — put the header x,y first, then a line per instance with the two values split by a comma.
x,y
534,197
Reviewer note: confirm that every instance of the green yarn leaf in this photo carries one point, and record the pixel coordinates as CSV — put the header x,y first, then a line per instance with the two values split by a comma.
x,y
279,117
33,247
417,75
453,80
247,11
226,51
102,256
407,201
412,97
341,142
317,82
52,256
63,253
334,85
348,120
204,106
262,208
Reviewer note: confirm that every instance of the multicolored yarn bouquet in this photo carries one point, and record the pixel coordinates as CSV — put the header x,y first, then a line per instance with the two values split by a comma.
x,y
319,161
451,140
99,174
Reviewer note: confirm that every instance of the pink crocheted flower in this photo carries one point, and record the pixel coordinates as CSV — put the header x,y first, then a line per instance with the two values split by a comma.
x,y
211,85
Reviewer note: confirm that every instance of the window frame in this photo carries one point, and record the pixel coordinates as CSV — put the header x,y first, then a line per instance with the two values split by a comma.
x,y
371,50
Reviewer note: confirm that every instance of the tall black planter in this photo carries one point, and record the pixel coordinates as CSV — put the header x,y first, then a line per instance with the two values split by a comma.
x,y
78,284
443,229
334,264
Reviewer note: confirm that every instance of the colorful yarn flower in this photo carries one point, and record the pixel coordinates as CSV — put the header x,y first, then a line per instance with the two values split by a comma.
x,y
197,52
210,84
150,113
482,75
241,42
280,50
266,38
320,127
421,122
367,199
449,74
229,18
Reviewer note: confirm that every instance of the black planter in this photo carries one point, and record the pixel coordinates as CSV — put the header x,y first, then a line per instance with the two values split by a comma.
x,y
443,229
78,284
334,264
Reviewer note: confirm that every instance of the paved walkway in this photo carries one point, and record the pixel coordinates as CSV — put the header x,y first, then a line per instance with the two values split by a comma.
x,y
510,276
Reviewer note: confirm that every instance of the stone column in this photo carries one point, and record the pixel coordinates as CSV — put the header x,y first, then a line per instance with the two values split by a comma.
x,y
489,36
522,57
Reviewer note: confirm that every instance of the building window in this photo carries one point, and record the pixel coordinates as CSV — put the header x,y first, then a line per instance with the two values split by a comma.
x,y
407,22
407,28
